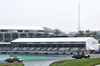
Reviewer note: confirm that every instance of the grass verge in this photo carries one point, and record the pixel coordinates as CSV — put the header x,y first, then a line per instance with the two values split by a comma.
x,y
11,64
77,62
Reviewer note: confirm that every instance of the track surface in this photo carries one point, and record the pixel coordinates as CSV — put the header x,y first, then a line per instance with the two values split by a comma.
x,y
47,62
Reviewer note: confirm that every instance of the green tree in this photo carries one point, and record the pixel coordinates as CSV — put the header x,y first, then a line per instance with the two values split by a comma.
x,y
81,33
87,31
94,34
57,33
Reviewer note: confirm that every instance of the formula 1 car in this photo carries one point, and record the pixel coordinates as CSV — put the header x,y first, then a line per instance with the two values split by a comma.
x,y
9,60
13,59
80,55
18,59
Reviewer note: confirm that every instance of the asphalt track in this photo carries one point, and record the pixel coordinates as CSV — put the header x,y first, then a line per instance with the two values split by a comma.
x,y
47,62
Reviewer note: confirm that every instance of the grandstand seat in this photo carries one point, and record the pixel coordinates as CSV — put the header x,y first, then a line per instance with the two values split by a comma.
x,y
49,48
20,48
32,48
67,48
43,49
62,48
16,48
25,48
37,49
75,49
54,49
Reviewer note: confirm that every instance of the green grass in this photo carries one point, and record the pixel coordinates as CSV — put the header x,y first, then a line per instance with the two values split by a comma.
x,y
11,64
77,62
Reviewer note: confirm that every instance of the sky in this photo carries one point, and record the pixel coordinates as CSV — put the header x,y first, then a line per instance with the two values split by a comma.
x,y
55,14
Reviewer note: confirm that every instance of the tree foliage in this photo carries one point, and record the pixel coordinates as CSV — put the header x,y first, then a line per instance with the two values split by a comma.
x,y
57,32
81,33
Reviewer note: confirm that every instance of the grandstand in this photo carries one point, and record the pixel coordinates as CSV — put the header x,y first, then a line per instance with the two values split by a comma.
x,y
53,45
9,33
34,40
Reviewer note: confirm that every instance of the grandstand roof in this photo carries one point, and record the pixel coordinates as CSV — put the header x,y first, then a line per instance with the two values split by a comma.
x,y
20,28
76,39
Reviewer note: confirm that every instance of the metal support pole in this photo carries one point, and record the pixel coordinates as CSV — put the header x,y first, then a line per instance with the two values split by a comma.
x,y
3,37
79,18
11,36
